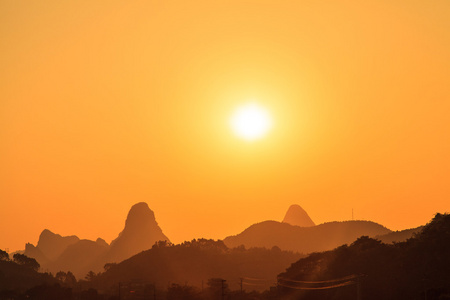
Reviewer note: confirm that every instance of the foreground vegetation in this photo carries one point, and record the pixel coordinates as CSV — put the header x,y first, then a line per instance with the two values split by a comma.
x,y
416,269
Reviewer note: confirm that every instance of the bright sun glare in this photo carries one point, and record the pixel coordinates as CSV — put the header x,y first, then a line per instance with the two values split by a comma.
x,y
251,121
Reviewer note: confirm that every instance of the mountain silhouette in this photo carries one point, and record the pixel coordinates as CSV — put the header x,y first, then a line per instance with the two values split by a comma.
x,y
141,232
36,253
80,258
52,245
297,216
322,237
49,248
57,253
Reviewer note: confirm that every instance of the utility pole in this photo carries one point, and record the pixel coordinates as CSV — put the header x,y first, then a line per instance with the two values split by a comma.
x,y
223,288
358,287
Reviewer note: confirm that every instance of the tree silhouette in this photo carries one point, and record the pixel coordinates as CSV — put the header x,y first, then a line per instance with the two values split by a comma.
x,y
109,266
90,276
4,255
60,276
26,261
68,279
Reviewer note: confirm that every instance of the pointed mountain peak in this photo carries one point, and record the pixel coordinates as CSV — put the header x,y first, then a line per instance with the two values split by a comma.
x,y
140,233
102,242
297,216
138,214
46,233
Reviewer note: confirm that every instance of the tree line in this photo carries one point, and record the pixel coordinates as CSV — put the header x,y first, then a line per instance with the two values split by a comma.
x,y
418,268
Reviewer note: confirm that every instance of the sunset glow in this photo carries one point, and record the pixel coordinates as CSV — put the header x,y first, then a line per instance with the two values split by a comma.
x,y
221,114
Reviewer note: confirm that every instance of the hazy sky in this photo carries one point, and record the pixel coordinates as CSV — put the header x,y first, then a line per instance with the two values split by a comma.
x,y
104,104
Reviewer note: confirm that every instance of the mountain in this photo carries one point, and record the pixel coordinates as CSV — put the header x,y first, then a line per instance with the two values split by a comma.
x,y
52,245
304,239
141,232
49,247
57,253
36,253
80,258
297,216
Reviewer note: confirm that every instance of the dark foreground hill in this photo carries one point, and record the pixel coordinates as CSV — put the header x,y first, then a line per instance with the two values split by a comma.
x,y
416,269
322,237
193,263
14,276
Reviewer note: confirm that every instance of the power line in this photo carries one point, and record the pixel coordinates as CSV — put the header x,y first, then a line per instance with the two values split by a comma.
x,y
323,285
319,282
256,281
317,288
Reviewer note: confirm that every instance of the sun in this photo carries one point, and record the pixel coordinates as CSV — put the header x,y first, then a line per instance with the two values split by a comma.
x,y
251,121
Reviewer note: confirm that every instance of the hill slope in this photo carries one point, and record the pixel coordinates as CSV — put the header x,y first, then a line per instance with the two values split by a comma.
x,y
304,239
399,236
415,269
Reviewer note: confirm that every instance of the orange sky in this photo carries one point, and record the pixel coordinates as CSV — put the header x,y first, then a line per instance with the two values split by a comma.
x,y
107,103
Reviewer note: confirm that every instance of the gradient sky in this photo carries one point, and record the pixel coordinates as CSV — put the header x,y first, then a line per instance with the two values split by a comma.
x,y
104,104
